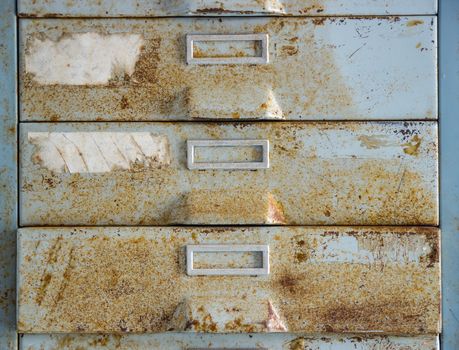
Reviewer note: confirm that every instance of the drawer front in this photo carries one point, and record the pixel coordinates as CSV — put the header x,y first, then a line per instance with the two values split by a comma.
x,y
186,173
318,280
142,8
227,69
167,341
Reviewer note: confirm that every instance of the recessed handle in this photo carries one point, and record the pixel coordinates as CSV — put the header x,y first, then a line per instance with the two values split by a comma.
x,y
232,56
223,145
191,250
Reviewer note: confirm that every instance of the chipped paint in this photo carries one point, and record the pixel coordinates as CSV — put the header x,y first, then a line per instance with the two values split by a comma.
x,y
98,152
119,280
82,59
333,70
331,177
143,8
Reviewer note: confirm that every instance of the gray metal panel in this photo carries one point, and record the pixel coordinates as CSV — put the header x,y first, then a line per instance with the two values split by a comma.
x,y
8,175
449,131
319,69
382,280
181,341
354,173
142,8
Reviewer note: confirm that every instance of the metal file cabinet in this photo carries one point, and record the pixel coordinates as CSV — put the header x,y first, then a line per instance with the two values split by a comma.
x,y
228,175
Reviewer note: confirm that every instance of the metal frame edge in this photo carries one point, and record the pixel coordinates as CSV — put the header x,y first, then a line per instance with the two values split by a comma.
x,y
449,169
8,173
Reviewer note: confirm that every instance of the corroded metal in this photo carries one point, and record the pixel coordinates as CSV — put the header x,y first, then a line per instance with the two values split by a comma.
x,y
181,341
142,8
322,279
8,174
320,173
320,68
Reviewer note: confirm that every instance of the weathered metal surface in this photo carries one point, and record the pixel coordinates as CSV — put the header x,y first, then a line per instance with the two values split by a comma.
x,y
319,173
142,8
321,68
8,174
322,279
449,127
181,341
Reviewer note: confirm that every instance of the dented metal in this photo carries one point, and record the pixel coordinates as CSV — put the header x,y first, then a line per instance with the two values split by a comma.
x,y
319,173
322,280
320,68
142,8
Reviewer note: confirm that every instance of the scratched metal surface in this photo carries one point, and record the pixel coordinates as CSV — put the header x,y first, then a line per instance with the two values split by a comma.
x,y
449,128
8,175
320,173
181,341
142,8
322,280
319,68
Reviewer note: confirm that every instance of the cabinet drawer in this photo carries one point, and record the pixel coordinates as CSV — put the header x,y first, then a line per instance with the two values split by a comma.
x,y
226,69
186,173
147,8
187,341
315,280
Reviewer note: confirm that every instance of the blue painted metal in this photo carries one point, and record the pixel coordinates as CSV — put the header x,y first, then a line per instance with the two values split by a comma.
x,y
449,168
8,174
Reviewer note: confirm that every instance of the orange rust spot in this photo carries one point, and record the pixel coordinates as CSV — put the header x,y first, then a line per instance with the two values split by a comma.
x,y
414,22
412,147
301,257
236,115
124,104
289,50
44,283
297,344
319,21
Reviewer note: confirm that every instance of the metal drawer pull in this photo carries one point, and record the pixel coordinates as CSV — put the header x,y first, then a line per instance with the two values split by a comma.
x,y
233,165
192,57
211,248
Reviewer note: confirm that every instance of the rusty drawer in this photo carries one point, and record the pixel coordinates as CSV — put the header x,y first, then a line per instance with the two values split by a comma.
x,y
205,341
315,280
267,68
295,173
143,8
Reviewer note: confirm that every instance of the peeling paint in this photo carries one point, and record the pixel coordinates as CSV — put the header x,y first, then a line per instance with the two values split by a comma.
x,y
83,58
119,280
316,71
98,152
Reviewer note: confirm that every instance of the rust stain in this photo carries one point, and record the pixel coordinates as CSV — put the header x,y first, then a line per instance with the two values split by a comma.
x,y
289,50
412,147
414,22
392,190
115,281
373,141
162,86
45,280
297,344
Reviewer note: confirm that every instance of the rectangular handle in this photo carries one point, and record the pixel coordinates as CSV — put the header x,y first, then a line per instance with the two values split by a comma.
x,y
212,248
233,165
192,56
